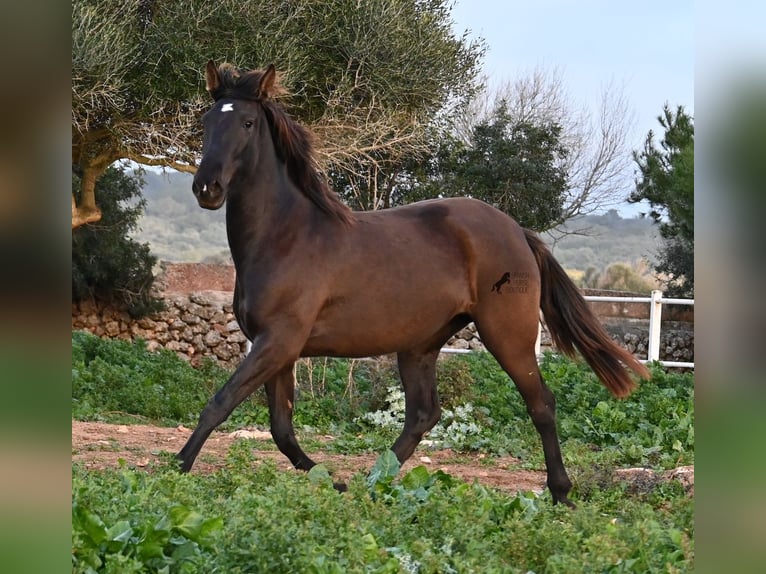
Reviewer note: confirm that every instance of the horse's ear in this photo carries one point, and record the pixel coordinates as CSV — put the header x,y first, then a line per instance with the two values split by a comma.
x,y
212,80
267,83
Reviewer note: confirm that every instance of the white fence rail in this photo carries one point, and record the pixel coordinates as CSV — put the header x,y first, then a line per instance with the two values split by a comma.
x,y
656,301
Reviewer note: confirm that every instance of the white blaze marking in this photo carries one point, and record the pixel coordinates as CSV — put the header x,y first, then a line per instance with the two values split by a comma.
x,y
227,107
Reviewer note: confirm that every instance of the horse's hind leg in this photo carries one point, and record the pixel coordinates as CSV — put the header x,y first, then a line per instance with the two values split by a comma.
x,y
421,411
514,349
280,391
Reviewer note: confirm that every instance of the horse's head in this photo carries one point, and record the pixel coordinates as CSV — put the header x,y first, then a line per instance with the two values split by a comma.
x,y
230,128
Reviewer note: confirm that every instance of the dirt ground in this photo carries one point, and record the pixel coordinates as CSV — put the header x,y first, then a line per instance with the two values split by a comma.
x,y
101,445
189,277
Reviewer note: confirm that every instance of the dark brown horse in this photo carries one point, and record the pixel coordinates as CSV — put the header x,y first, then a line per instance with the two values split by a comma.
x,y
316,279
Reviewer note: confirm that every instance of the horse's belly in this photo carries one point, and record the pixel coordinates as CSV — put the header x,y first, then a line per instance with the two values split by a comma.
x,y
359,328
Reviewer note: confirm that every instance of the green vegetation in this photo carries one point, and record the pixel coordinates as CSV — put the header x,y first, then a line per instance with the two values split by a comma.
x,y
248,517
254,518
515,166
667,183
107,264
115,378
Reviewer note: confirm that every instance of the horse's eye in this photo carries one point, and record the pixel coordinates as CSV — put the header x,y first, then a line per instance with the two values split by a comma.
x,y
248,124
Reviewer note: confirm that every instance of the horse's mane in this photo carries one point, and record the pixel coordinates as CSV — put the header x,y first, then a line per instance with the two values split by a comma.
x,y
293,142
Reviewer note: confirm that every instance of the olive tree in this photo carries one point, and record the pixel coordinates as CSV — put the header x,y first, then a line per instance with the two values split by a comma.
x,y
365,76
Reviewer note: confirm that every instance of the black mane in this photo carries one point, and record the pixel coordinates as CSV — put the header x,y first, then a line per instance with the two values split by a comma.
x,y
293,142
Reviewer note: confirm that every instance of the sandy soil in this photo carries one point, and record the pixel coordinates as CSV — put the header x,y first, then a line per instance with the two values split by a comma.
x,y
101,445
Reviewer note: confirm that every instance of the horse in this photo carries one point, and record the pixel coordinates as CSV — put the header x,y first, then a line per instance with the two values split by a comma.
x,y
314,278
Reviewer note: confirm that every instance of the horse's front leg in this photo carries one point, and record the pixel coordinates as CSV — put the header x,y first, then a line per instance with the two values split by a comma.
x,y
421,410
265,361
280,391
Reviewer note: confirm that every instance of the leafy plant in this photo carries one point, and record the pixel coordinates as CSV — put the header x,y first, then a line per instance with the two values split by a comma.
x,y
458,429
392,417
171,543
129,520
414,487
260,518
652,427
667,183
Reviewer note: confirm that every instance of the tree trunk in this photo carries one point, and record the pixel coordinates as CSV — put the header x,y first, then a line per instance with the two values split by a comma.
x,y
87,211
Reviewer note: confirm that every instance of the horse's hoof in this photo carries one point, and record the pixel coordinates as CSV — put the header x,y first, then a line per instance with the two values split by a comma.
x,y
340,486
181,464
564,500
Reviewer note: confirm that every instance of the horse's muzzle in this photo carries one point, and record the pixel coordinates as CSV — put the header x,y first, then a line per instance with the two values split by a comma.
x,y
209,194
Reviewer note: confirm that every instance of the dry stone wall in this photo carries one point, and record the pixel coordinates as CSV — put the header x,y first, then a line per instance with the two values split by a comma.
x,y
200,324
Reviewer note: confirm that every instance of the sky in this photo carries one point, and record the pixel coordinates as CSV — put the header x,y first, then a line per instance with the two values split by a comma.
x,y
646,48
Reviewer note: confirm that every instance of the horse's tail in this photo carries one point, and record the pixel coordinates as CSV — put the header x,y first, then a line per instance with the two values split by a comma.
x,y
572,325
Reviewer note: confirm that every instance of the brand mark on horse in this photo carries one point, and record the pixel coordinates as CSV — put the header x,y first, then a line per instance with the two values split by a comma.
x,y
518,282
502,281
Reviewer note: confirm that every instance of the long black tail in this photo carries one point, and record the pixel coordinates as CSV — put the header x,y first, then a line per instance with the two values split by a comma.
x,y
573,325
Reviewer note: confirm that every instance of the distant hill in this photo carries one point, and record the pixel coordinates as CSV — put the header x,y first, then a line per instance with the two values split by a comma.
x,y
602,240
178,230
174,226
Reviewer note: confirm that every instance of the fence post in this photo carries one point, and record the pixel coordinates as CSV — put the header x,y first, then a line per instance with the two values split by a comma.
x,y
655,325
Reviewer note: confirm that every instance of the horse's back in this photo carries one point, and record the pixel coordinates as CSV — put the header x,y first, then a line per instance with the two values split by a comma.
x,y
461,246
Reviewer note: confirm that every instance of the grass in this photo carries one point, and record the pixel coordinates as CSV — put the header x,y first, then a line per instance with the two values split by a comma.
x,y
254,518
249,517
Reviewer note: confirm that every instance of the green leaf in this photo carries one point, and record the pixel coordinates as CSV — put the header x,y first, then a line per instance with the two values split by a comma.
x,y
185,551
386,469
370,546
90,557
208,529
91,524
446,479
150,549
601,409
186,521
418,477
163,525
118,536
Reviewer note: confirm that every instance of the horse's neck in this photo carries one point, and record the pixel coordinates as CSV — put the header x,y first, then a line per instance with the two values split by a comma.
x,y
260,206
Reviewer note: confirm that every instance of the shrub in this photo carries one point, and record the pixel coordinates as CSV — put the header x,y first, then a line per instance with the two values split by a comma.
x,y
114,376
107,265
